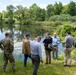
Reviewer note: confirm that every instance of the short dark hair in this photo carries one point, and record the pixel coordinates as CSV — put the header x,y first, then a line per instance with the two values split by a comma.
x,y
6,34
68,32
48,33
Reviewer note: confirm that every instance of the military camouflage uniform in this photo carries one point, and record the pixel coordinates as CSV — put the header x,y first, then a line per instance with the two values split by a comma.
x,y
7,46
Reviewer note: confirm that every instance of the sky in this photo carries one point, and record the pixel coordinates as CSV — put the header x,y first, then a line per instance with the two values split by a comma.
x,y
28,3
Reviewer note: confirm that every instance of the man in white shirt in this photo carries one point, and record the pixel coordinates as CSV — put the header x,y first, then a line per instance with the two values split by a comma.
x,y
55,43
36,53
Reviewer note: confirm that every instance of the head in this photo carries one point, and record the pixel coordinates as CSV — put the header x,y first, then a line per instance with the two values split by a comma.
x,y
27,36
68,33
6,34
47,34
38,38
55,34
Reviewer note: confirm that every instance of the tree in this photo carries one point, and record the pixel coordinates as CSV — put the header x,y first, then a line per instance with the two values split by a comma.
x,y
72,8
9,19
58,8
36,13
49,11
1,22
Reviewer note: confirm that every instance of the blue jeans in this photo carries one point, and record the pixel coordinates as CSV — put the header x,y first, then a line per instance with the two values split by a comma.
x,y
25,58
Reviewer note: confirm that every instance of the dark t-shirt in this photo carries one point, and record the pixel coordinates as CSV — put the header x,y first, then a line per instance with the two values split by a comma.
x,y
47,41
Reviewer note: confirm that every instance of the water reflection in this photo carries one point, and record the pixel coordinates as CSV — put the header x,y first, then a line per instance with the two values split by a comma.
x,y
18,47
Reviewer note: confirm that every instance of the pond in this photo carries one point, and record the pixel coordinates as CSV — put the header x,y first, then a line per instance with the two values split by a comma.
x,y
18,48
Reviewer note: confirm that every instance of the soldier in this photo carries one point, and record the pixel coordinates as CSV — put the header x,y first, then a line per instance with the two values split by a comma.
x,y
7,46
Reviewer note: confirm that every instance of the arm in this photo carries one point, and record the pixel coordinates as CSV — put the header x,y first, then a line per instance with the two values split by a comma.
x,y
40,52
2,48
27,47
11,45
23,47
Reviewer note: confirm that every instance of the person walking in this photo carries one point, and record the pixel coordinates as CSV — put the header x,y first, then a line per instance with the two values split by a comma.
x,y
47,41
7,46
69,42
26,48
55,43
36,53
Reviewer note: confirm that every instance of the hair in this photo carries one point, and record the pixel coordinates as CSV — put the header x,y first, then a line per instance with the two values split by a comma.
x,y
6,34
68,32
48,33
38,37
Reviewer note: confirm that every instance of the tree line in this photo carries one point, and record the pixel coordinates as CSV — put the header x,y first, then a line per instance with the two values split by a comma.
x,y
26,16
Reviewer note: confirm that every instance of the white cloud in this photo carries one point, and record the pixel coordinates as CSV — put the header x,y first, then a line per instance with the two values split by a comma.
x,y
0,2
43,6
16,0
15,4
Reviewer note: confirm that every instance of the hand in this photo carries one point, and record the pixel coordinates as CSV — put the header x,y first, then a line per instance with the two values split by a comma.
x,y
41,61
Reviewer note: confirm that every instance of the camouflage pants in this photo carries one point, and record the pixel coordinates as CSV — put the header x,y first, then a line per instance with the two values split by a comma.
x,y
9,57
67,55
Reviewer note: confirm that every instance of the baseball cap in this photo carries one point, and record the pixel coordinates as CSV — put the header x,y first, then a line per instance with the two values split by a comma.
x,y
27,35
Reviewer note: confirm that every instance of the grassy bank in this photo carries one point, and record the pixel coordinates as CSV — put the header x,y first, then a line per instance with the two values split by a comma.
x,y
56,68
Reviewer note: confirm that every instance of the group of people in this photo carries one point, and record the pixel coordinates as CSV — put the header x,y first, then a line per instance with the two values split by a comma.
x,y
33,50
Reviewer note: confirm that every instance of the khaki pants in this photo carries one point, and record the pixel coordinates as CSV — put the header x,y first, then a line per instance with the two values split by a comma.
x,y
48,56
67,56
55,50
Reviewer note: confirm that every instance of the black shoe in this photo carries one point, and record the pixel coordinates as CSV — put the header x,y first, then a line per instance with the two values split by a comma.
x,y
65,65
46,63
3,70
69,65
49,62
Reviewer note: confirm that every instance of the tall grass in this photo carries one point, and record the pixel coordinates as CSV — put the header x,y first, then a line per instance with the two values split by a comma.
x,y
55,68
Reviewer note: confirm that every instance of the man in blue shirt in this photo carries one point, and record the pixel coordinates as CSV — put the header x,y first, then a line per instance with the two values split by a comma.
x,y
55,43
36,53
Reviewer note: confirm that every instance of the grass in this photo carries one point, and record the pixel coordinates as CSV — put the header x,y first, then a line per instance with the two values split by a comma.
x,y
55,68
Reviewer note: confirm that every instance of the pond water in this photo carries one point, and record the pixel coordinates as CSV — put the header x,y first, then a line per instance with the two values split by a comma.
x,y
18,48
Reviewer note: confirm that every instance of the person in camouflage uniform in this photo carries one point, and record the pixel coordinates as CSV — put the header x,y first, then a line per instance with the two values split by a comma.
x,y
7,46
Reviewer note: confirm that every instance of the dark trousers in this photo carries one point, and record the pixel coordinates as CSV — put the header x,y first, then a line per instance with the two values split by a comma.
x,y
36,62
25,58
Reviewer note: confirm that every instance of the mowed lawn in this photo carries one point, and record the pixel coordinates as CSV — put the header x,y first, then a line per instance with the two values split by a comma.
x,y
55,68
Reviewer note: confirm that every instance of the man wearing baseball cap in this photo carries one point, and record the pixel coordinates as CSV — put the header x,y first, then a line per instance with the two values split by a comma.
x,y
26,48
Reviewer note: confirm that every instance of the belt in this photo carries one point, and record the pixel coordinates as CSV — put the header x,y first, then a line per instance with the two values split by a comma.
x,y
34,55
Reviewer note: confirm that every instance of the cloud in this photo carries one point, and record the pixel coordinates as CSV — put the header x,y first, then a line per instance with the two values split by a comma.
x,y
16,0
0,2
43,6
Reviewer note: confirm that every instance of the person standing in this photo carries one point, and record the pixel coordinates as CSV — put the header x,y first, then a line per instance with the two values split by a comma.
x,y
55,43
26,48
69,42
47,40
36,53
7,46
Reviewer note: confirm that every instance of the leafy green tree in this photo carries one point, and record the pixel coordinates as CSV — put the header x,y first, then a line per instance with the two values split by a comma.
x,y
36,13
1,22
58,8
9,19
72,8
49,11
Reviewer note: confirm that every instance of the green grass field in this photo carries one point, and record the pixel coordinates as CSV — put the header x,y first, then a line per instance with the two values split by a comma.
x,y
55,68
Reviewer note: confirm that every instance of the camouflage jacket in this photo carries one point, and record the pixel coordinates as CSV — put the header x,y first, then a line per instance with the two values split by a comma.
x,y
7,45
